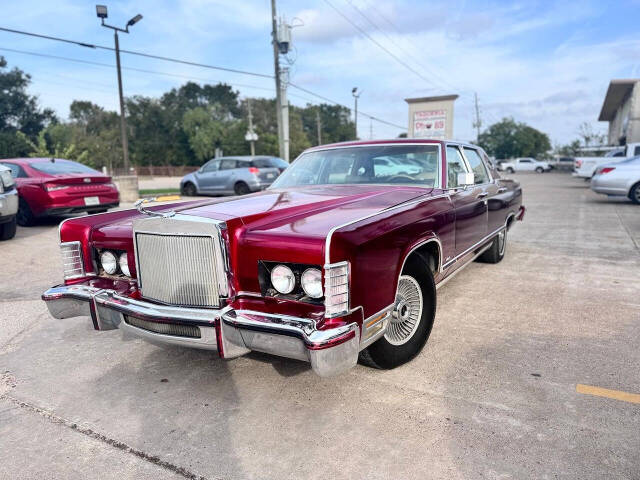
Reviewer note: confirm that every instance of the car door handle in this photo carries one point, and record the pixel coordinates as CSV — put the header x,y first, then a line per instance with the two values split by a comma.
x,y
502,189
482,195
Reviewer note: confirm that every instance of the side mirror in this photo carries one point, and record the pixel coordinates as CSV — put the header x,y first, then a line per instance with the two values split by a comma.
x,y
465,179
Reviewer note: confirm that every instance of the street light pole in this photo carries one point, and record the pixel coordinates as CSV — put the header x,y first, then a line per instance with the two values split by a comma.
x,y
101,12
123,120
356,95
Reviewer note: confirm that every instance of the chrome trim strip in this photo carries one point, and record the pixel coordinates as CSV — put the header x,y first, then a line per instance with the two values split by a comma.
x,y
473,247
453,274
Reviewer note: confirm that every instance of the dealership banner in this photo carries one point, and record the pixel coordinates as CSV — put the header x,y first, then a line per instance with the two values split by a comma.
x,y
430,124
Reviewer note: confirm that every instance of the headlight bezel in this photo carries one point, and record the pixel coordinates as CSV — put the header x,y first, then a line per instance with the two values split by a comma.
x,y
290,276
297,294
308,272
105,253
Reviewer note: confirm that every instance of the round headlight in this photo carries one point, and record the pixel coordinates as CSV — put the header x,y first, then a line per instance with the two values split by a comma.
x,y
109,262
124,264
312,282
282,279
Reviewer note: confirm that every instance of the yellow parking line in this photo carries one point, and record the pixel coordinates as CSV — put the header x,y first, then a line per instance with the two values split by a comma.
x,y
605,392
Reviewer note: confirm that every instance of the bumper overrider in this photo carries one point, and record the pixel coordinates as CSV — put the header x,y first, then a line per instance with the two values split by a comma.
x,y
231,332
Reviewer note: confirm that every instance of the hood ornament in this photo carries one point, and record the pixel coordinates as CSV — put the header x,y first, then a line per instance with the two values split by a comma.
x,y
140,207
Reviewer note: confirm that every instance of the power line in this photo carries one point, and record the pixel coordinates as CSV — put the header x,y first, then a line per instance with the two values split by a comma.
x,y
140,54
175,60
382,47
342,105
444,82
133,69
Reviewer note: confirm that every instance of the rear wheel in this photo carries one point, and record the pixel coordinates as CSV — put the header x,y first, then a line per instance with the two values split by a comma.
x,y
189,189
8,229
241,188
411,319
495,253
539,169
510,170
25,216
634,193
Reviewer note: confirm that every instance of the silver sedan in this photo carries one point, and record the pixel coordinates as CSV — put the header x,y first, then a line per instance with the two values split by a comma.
x,y
233,176
620,178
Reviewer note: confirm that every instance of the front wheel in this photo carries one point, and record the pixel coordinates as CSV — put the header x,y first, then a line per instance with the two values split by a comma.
x,y
8,229
539,170
189,190
510,170
634,193
411,319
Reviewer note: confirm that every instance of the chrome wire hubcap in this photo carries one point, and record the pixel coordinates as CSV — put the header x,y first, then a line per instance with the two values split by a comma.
x,y
502,242
406,313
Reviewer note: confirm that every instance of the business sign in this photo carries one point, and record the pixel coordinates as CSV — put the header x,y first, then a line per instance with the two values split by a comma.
x,y
430,124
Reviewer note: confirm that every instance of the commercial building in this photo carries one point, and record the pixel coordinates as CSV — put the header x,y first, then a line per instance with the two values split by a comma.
x,y
621,108
431,117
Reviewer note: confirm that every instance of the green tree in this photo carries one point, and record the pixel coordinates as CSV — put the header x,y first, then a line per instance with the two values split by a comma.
x,y
19,111
14,145
508,139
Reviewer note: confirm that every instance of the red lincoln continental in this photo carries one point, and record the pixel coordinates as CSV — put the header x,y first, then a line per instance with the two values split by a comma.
x,y
339,259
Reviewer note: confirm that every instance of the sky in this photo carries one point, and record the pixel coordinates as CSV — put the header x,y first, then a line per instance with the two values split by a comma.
x,y
546,63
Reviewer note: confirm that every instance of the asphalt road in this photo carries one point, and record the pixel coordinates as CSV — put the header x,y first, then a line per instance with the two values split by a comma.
x,y
493,395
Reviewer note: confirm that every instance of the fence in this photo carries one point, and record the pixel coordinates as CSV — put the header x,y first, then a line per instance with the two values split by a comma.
x,y
159,171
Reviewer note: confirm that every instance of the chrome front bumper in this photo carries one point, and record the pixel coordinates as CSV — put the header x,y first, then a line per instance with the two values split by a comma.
x,y
231,332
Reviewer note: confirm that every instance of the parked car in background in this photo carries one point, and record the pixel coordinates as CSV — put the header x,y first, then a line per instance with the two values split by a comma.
x,y
336,261
8,204
54,186
585,167
525,165
619,179
562,164
233,176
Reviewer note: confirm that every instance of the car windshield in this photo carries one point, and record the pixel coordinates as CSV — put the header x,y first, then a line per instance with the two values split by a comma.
x,y
61,166
379,164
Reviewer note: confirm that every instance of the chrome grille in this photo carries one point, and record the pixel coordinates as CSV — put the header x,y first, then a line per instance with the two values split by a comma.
x,y
180,269
190,331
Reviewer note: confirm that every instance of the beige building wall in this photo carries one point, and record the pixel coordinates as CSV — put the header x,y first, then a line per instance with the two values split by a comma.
x,y
621,108
431,117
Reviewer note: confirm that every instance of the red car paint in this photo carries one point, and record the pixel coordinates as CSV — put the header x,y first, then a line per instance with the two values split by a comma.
x,y
374,227
33,184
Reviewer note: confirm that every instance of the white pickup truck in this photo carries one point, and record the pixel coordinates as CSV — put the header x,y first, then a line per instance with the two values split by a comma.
x,y
585,167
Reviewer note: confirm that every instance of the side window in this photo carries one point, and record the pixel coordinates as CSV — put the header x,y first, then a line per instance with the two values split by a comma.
x,y
524,160
455,165
477,166
228,164
261,163
16,170
636,151
211,166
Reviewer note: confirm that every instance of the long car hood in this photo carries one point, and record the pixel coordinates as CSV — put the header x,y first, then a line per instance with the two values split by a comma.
x,y
308,211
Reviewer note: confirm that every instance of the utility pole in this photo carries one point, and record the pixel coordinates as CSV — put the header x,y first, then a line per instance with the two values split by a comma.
x,y
356,95
284,112
101,12
478,123
276,66
319,126
251,135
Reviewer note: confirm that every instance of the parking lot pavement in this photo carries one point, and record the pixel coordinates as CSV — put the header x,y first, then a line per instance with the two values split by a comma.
x,y
493,394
